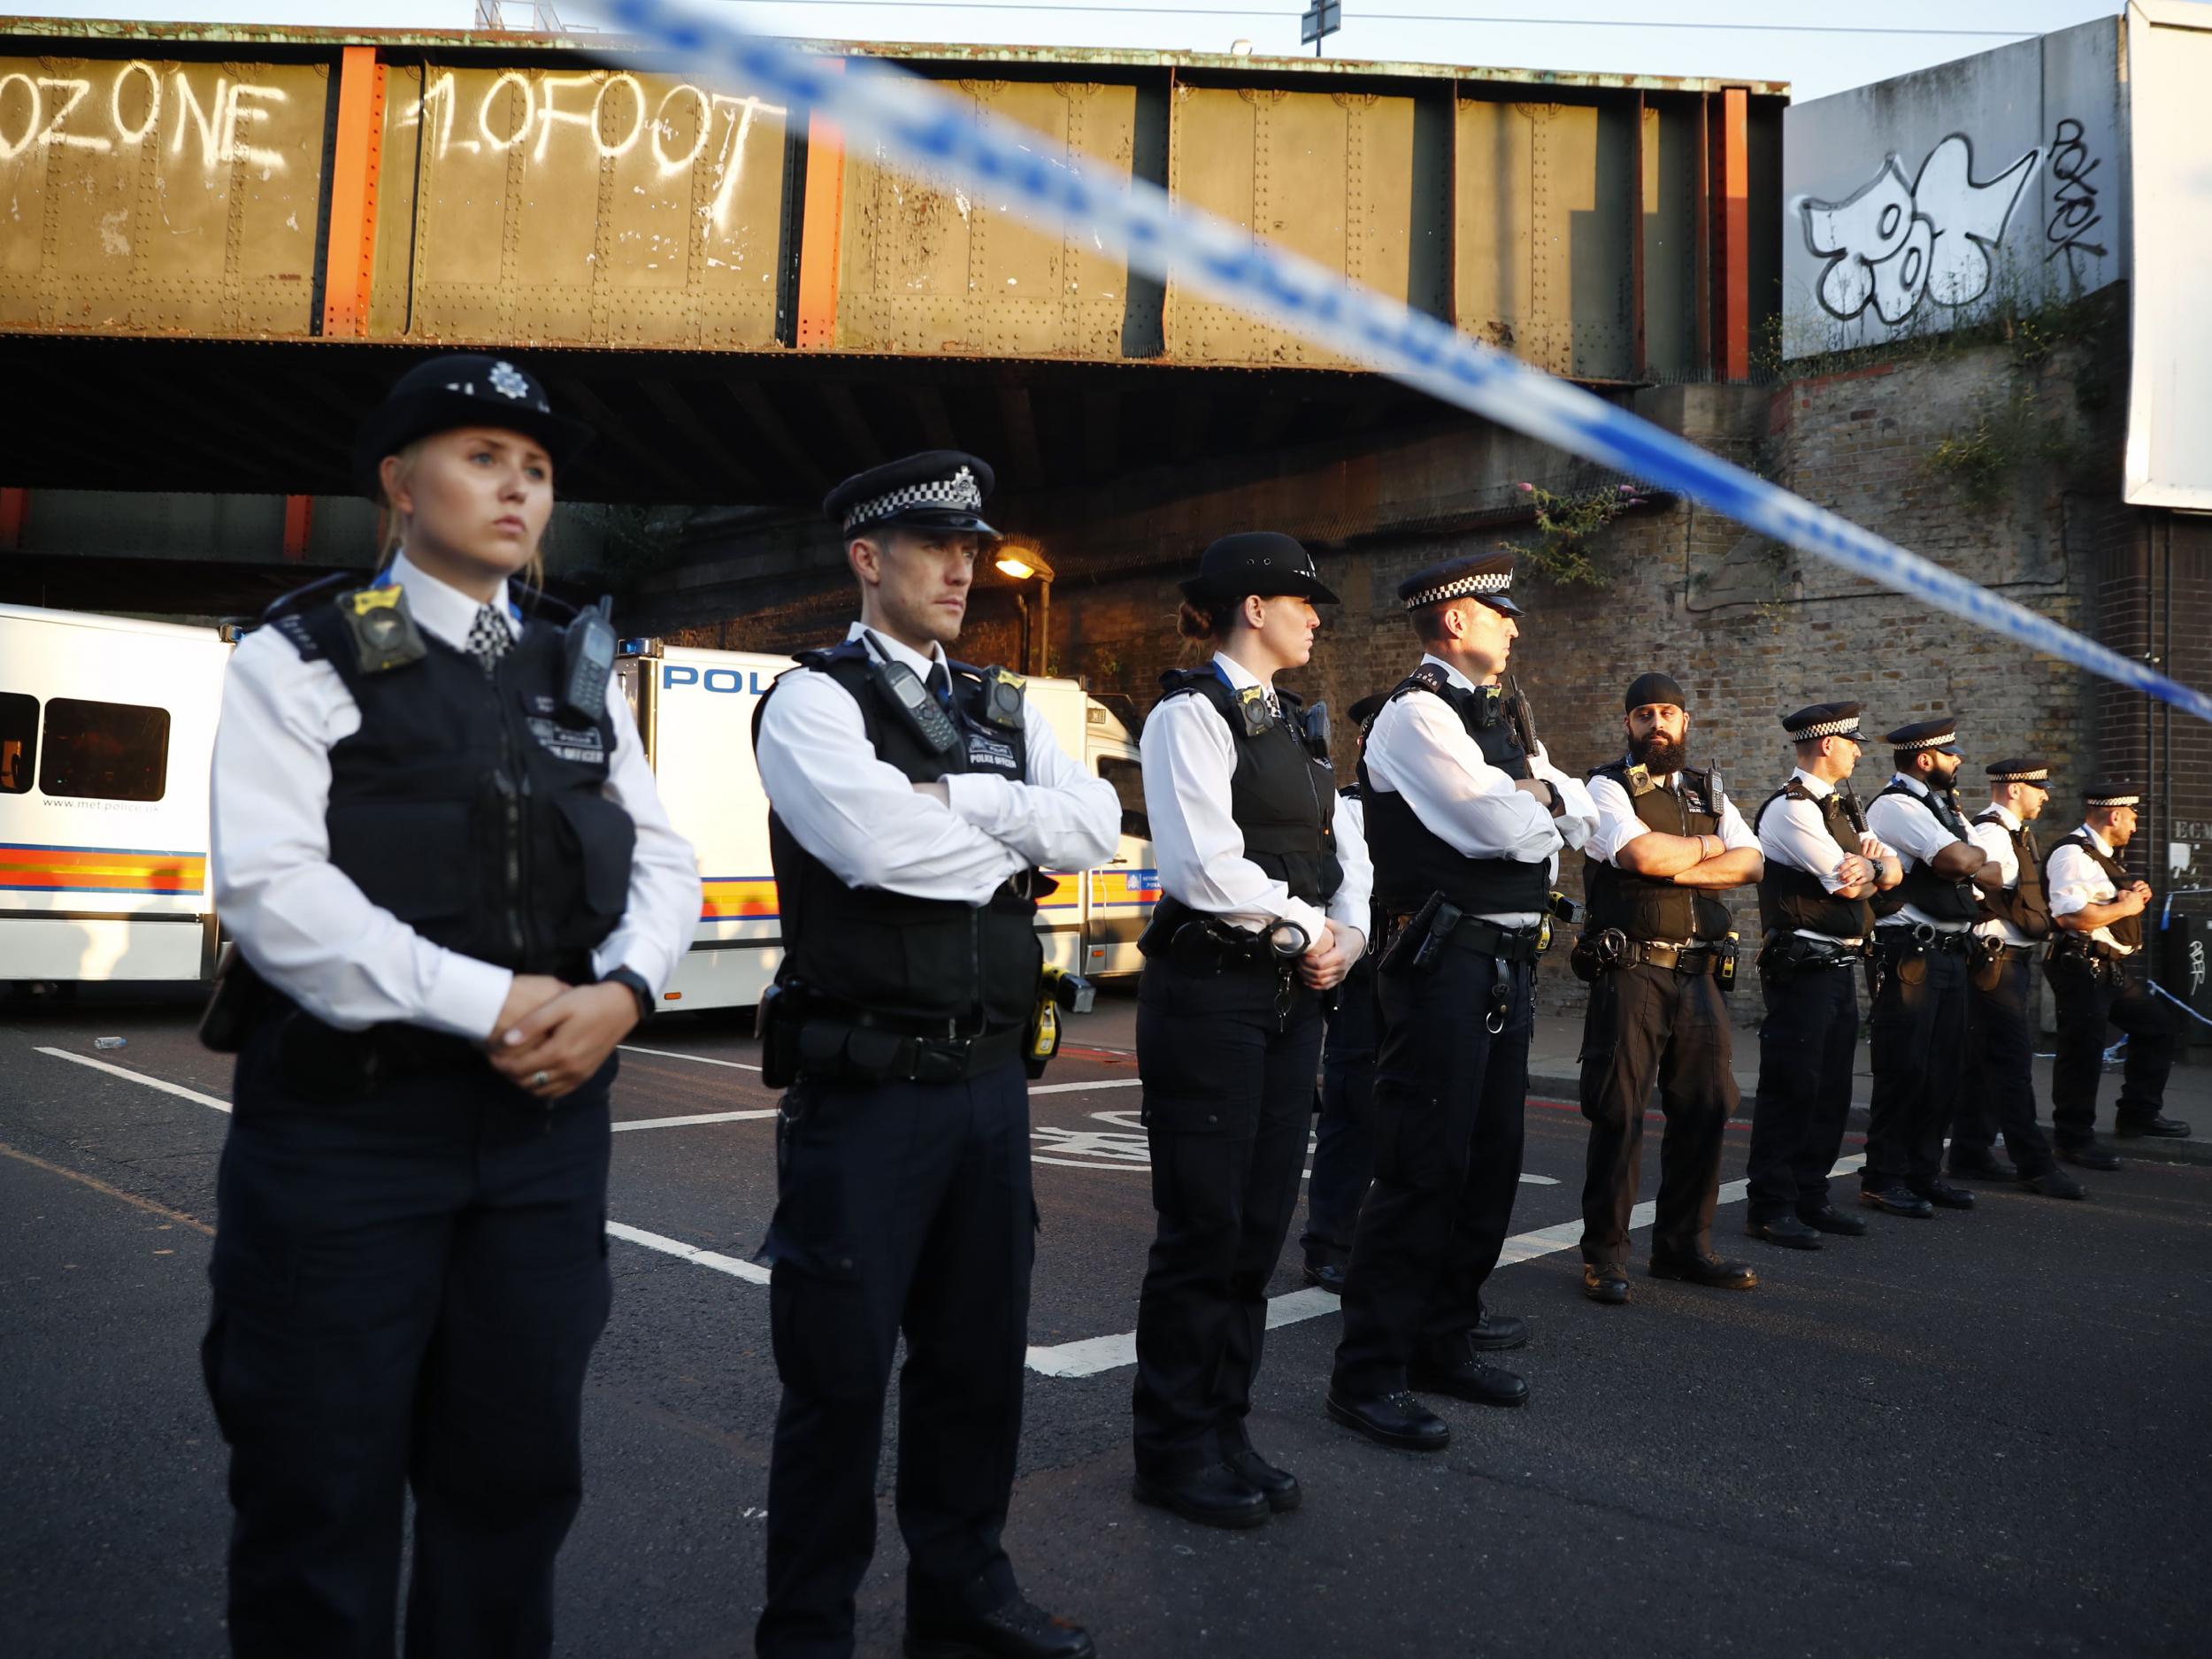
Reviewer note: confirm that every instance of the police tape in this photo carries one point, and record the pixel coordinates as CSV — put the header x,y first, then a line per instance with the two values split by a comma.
x,y
909,122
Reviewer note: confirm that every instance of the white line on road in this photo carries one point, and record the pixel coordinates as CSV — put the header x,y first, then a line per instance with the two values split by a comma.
x,y
700,1118
1096,1353
697,1059
139,1076
715,1259
1078,1088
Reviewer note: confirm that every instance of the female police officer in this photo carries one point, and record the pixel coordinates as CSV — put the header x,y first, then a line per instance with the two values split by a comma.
x,y
1266,878
437,845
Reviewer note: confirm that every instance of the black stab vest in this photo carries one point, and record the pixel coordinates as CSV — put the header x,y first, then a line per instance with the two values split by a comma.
x,y
1411,860
465,805
907,959
1925,891
1790,898
2024,904
1281,794
1658,910
2129,929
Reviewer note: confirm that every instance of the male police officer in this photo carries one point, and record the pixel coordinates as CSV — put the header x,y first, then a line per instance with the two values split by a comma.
x,y
912,801
1821,868
2098,909
2000,1079
1343,1152
1465,818
1918,969
1654,947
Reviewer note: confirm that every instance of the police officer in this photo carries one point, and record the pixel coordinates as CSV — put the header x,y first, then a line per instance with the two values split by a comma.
x,y
912,800
2098,909
1343,1155
1998,1090
453,891
1265,883
1465,819
1654,946
1918,974
1822,869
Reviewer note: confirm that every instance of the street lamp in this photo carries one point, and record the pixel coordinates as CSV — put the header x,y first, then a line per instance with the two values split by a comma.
x,y
1024,564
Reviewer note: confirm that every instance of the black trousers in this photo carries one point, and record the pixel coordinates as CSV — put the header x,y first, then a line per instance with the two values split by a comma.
x,y
2088,1007
1343,1150
1998,1090
900,1208
1644,1025
1449,1095
1806,1045
1919,1042
1227,1062
407,1291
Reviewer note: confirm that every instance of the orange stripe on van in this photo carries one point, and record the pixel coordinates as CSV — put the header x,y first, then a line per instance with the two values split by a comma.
x,y
99,870
737,898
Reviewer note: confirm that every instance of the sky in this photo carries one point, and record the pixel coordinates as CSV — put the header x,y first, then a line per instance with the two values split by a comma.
x,y
1818,47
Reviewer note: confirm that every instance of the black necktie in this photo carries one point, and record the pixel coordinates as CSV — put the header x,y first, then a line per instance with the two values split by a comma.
x,y
939,684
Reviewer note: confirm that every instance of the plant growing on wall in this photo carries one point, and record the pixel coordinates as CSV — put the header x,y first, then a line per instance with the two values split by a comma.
x,y
1566,526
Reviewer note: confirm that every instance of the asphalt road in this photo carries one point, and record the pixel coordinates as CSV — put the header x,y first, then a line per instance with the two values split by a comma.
x,y
1987,1431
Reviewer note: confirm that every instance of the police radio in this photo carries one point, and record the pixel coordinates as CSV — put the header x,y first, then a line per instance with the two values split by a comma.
x,y
923,714
586,663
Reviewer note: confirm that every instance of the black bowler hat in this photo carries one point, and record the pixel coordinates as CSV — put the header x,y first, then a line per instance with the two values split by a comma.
x,y
2021,771
1368,707
938,489
2112,792
1653,688
1484,576
466,388
1940,735
1823,719
1262,562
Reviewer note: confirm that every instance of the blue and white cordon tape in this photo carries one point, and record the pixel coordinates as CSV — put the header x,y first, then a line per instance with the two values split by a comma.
x,y
909,120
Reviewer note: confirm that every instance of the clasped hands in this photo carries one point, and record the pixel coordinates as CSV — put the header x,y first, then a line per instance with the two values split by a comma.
x,y
550,1036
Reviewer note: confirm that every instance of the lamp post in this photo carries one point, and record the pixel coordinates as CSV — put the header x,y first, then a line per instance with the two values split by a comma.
x,y
1026,563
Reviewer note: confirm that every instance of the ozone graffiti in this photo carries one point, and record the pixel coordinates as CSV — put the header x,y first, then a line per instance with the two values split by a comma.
x,y
1891,245
44,113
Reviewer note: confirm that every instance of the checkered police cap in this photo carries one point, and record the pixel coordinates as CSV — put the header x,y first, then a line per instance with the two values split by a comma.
x,y
1823,719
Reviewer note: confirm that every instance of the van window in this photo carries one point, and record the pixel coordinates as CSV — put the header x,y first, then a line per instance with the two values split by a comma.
x,y
19,741
107,751
1127,777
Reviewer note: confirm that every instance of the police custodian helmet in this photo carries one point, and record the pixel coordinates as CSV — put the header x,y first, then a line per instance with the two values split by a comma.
x,y
464,389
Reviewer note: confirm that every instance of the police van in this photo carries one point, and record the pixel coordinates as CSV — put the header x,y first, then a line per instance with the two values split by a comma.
x,y
107,732
107,726
695,709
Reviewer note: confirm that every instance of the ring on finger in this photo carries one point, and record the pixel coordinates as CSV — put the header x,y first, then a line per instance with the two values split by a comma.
x,y
539,1080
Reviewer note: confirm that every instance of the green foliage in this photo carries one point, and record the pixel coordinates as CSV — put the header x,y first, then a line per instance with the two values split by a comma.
x,y
1566,524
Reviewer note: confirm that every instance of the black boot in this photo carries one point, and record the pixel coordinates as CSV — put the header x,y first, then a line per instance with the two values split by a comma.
x,y
1213,1495
1017,1629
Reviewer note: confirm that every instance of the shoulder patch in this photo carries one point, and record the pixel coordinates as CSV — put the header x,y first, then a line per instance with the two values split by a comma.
x,y
1428,677
293,626
1796,791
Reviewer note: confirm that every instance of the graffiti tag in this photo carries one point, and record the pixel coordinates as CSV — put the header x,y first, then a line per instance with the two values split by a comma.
x,y
1891,245
2074,211
41,112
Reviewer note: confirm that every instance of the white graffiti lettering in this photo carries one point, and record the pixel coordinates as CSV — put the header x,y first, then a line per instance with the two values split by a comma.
x,y
492,140
222,123
1891,245
124,130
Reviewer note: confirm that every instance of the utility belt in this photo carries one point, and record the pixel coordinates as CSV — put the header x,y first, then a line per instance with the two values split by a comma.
x,y
2079,955
319,1062
803,1034
1414,941
1607,950
1904,951
1784,956
1203,944
1986,967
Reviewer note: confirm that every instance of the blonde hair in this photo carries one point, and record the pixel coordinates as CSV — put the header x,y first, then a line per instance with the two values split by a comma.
x,y
392,525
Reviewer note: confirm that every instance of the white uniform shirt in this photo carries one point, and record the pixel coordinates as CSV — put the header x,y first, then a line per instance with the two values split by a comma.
x,y
863,818
1618,825
1994,838
1189,755
1791,833
1418,748
2076,880
1916,836
303,924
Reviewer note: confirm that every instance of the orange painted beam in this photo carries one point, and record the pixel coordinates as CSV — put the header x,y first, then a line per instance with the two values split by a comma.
x,y
299,519
1731,227
350,255
821,223
15,513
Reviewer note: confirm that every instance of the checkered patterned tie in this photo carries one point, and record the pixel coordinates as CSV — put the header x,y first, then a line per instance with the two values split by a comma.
x,y
489,637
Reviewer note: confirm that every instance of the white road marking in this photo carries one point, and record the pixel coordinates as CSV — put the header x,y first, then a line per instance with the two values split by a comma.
x,y
1080,1088
696,1059
1096,1353
701,1118
715,1259
177,1089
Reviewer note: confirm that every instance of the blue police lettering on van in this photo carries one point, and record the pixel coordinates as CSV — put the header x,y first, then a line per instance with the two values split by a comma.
x,y
726,680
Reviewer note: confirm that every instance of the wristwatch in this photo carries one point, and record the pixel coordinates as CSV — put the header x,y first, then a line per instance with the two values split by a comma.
x,y
632,980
